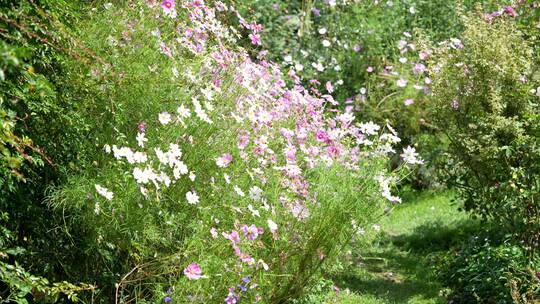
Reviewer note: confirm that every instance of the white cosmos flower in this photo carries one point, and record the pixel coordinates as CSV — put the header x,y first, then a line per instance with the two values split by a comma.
x,y
104,192
97,208
183,112
410,156
272,226
318,66
239,191
141,139
255,193
322,31
401,83
192,197
254,211
164,118
326,43
179,169
369,128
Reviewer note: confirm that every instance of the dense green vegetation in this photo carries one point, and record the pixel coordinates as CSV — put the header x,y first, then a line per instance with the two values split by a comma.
x,y
266,151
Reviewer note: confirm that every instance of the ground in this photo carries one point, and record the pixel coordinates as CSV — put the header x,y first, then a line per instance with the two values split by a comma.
x,y
399,265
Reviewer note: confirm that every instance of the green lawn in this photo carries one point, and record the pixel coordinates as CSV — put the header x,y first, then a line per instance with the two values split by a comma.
x,y
398,265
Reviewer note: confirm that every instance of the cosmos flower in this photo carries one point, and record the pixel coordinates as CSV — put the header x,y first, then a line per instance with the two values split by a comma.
x,y
104,192
193,271
142,127
192,197
168,5
224,160
321,136
329,87
401,83
251,232
255,39
272,226
141,139
455,104
409,156
164,118
197,3
510,11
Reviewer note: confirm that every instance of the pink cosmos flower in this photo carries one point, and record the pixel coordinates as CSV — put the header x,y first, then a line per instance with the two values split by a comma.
x,y
290,154
251,232
370,69
419,68
510,11
234,237
166,50
197,3
256,28
168,5
408,102
321,136
224,160
332,151
193,271
243,141
329,87
255,39
142,127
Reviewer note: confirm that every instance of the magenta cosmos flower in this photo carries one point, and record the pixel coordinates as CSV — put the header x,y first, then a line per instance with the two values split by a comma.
x,y
193,271
333,151
321,136
255,39
198,3
168,5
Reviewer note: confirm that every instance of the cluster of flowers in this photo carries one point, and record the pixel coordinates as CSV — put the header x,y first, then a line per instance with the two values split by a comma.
x,y
280,131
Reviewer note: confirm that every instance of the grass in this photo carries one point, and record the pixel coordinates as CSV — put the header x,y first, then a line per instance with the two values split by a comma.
x,y
398,265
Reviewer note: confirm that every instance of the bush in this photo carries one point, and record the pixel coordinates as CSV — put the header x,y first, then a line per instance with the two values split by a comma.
x,y
483,101
43,129
220,182
486,272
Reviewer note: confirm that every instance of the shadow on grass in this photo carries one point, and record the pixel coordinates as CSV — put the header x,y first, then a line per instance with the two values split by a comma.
x,y
436,236
395,277
401,267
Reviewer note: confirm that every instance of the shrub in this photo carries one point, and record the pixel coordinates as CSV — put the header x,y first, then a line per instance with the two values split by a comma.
x,y
221,182
43,131
486,272
483,101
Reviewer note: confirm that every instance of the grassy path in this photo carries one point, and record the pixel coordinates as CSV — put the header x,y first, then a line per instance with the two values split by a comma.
x,y
396,266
